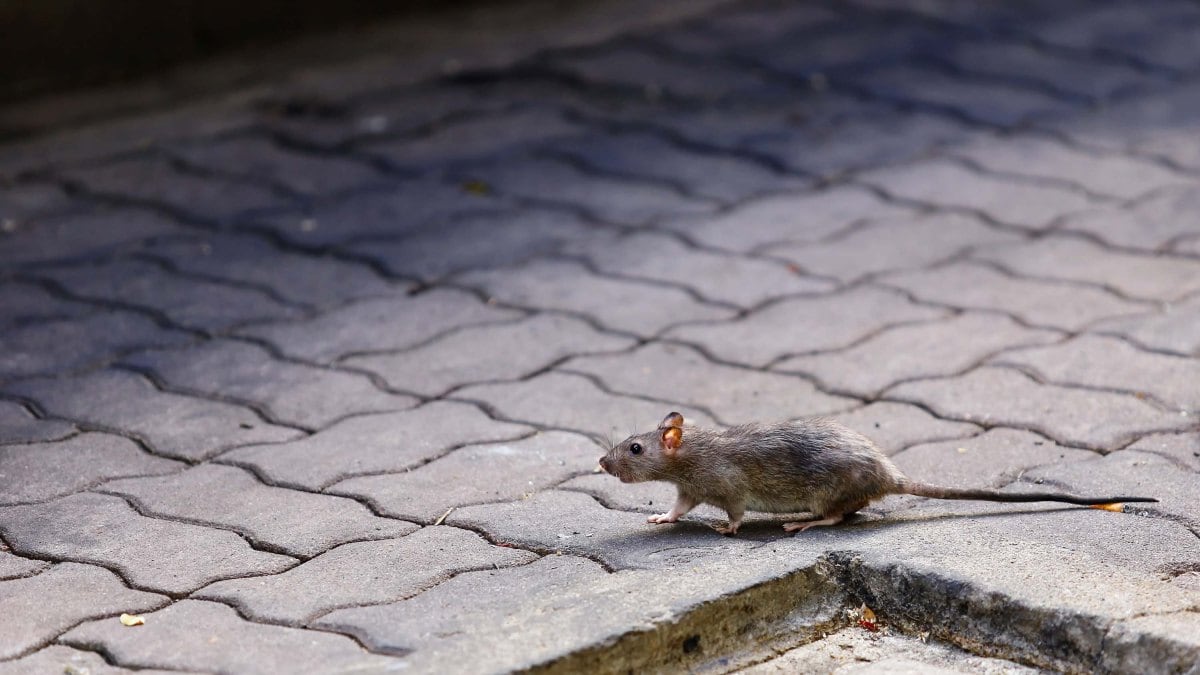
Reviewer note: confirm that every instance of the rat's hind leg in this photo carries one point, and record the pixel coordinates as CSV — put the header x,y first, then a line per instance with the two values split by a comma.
x,y
803,525
683,504
735,512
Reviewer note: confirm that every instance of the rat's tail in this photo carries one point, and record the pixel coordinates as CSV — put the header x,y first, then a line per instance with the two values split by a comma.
x,y
909,487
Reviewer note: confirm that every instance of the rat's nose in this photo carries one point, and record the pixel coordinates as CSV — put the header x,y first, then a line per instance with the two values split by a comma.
x,y
604,463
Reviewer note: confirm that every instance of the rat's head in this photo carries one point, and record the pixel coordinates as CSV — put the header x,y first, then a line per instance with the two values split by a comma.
x,y
644,457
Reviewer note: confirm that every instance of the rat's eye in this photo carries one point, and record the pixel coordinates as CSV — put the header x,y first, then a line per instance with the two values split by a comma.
x,y
636,448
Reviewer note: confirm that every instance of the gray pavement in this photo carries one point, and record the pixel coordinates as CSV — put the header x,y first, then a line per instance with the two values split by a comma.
x,y
313,376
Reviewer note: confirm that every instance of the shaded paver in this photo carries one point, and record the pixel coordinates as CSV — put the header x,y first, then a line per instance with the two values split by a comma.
x,y
18,425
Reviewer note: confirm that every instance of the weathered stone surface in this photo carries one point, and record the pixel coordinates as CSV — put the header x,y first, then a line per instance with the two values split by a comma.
x,y
41,471
932,349
182,635
25,302
573,402
1150,224
891,244
38,608
1182,449
13,567
734,395
1145,33
638,307
1042,303
60,659
476,474
256,157
799,325
177,426
1173,328
1138,276
293,522
364,572
1009,201
21,202
298,395
377,325
649,497
1158,643
153,554
487,353
1006,397
992,459
896,426
366,444
76,235
18,425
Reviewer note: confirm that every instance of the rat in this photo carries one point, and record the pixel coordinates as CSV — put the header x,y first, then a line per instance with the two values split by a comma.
x,y
816,465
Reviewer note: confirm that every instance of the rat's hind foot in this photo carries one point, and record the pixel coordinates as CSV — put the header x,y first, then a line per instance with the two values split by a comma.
x,y
663,518
730,529
804,525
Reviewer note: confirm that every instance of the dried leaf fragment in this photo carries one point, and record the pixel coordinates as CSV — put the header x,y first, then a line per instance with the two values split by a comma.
x,y
476,187
866,619
1115,508
132,620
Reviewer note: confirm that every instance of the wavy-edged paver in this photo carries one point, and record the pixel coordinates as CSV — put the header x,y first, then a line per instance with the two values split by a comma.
x,y
1182,449
991,459
1150,224
153,554
1173,327
805,324
26,302
183,427
488,353
894,426
63,659
735,395
476,474
182,636
79,592
367,572
14,566
365,444
40,471
18,425
291,521
997,396
79,235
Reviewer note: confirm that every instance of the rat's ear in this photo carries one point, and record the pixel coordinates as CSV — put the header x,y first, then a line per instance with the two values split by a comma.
x,y
672,433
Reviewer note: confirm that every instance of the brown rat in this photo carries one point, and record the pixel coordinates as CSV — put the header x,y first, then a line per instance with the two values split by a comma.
x,y
814,465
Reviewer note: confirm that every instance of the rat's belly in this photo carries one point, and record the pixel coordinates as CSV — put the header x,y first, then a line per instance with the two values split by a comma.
x,y
778,504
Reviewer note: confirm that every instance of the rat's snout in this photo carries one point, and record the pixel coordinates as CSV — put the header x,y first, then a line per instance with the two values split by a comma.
x,y
604,464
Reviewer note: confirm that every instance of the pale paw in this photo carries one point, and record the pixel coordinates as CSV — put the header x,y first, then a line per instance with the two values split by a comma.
x,y
662,518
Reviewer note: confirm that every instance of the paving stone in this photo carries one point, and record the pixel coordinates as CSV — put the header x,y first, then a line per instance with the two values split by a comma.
x,y
1182,449
40,471
893,244
634,307
293,522
257,158
157,555
78,592
21,202
1110,363
155,180
649,497
741,26
379,324
181,636
734,395
77,235
859,41
1047,303
368,572
932,349
1134,275
1188,246
896,426
190,303
572,402
716,176
476,474
27,302
799,325
60,659
488,353
1004,397
478,242
298,395
15,567
767,222
18,425
312,280
1146,33
371,444
177,426
738,280
1172,636
1175,327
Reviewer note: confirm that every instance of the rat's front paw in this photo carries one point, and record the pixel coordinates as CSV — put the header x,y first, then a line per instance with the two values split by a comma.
x,y
662,518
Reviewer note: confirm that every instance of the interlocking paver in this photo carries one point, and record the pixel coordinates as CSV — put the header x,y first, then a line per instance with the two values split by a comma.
x,y
895,426
1127,639
943,347
177,426
489,353
1042,303
298,395
1135,275
40,471
741,26
637,307
153,554
735,395
379,443
80,592
22,201
649,497
182,635
258,158
14,567
79,235
367,572
1020,203
18,425
1170,379
1182,449
801,325
1160,34
893,244
476,474
61,659
293,522
378,324
742,281
573,402
1173,328
1005,397
27,302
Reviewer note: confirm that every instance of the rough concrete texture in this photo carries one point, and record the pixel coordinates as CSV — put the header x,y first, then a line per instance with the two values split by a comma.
x,y
318,371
